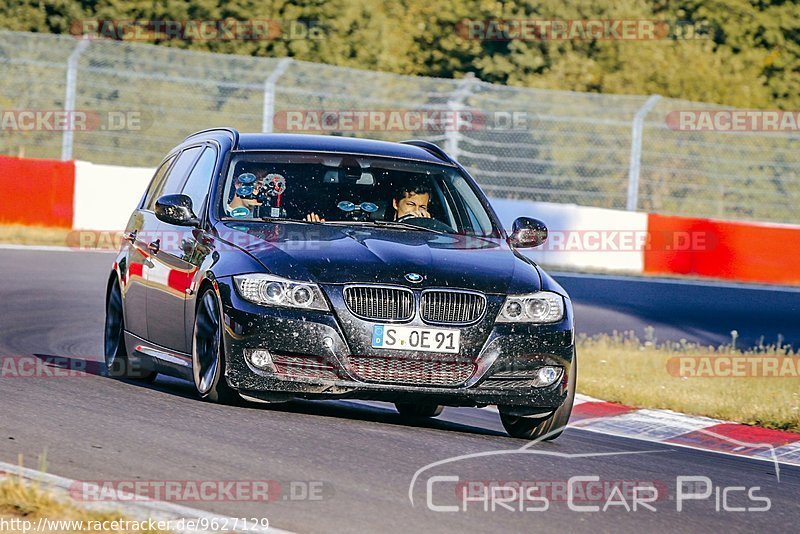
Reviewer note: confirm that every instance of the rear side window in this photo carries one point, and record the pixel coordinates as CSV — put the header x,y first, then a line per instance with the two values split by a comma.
x,y
199,180
171,184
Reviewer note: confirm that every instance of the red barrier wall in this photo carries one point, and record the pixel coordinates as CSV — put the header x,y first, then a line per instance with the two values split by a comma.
x,y
732,250
37,191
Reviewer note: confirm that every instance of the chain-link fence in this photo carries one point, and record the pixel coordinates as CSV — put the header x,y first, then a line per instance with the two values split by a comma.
x,y
592,149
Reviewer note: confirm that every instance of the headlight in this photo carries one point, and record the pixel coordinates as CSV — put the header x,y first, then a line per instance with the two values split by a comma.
x,y
542,307
269,290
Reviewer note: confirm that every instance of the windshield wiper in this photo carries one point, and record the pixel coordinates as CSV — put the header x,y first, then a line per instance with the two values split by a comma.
x,y
380,224
283,219
400,224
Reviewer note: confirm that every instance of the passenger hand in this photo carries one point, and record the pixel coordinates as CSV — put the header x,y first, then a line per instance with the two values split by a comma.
x,y
313,217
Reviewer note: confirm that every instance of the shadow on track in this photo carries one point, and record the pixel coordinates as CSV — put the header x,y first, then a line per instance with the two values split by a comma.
x,y
341,409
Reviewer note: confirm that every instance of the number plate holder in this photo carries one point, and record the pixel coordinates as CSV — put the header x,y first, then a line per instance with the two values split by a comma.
x,y
416,338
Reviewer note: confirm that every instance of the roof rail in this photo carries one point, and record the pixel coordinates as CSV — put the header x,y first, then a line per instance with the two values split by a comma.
x,y
233,132
430,147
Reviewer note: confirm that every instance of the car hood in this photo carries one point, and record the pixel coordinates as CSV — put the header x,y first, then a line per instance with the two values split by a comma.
x,y
337,254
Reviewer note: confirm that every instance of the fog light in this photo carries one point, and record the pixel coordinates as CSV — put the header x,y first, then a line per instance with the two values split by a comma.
x,y
548,375
261,358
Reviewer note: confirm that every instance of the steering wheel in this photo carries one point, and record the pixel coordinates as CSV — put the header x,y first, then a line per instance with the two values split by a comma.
x,y
426,222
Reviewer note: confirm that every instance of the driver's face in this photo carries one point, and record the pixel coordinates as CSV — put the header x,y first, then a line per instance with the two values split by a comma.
x,y
414,204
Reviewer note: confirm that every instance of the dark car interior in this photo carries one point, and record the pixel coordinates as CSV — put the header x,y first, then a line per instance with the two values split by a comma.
x,y
320,189
341,188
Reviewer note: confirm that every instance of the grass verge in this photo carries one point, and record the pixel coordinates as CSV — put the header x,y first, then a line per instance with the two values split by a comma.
x,y
760,386
23,503
19,234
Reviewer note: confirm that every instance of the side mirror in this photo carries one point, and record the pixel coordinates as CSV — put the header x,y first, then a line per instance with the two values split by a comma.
x,y
177,210
527,232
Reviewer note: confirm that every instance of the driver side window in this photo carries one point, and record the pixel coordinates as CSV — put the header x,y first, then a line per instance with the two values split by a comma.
x,y
171,183
156,182
199,180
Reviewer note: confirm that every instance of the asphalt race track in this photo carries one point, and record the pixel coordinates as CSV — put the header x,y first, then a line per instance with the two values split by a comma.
x,y
362,457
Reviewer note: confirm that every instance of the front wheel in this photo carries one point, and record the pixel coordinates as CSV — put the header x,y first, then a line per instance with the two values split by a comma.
x,y
418,410
117,362
208,352
549,427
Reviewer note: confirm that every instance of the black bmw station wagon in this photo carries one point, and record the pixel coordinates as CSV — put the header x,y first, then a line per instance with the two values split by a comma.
x,y
270,267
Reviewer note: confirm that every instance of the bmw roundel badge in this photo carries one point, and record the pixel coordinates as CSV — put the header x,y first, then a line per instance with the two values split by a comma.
x,y
414,278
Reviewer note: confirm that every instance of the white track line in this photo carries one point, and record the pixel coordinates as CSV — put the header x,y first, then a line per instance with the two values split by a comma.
x,y
774,461
137,509
702,422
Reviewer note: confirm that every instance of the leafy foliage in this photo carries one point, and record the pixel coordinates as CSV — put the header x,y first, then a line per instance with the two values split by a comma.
x,y
750,56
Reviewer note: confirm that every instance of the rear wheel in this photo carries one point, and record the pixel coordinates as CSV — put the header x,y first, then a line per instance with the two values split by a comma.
x,y
418,410
118,365
208,353
551,426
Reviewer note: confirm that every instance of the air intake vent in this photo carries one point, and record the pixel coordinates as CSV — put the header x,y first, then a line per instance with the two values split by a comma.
x,y
409,371
380,303
452,307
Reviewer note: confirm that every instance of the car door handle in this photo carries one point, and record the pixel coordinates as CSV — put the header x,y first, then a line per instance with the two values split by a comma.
x,y
154,246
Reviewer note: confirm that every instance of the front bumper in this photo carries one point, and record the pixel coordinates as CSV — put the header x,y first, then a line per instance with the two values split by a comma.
x,y
328,343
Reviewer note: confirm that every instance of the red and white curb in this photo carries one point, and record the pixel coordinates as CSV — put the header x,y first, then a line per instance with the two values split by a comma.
x,y
134,508
695,432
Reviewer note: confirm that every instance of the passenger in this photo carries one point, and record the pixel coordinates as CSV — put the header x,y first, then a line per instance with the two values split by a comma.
x,y
249,201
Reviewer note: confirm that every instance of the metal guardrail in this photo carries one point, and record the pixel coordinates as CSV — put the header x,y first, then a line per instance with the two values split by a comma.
x,y
614,151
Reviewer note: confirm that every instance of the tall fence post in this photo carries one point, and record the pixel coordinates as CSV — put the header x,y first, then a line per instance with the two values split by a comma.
x,y
636,152
69,98
454,105
269,94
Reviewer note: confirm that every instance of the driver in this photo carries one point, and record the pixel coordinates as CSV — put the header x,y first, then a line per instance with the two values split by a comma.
x,y
412,199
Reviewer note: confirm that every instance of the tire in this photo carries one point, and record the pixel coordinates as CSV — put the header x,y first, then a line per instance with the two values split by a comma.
x,y
208,352
418,410
551,426
117,363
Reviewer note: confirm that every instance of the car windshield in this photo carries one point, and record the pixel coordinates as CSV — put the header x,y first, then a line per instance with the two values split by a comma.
x,y
354,189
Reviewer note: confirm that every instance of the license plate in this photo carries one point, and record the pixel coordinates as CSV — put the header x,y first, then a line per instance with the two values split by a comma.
x,y
414,338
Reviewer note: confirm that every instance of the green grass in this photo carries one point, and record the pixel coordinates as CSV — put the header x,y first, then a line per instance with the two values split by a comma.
x,y
622,368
